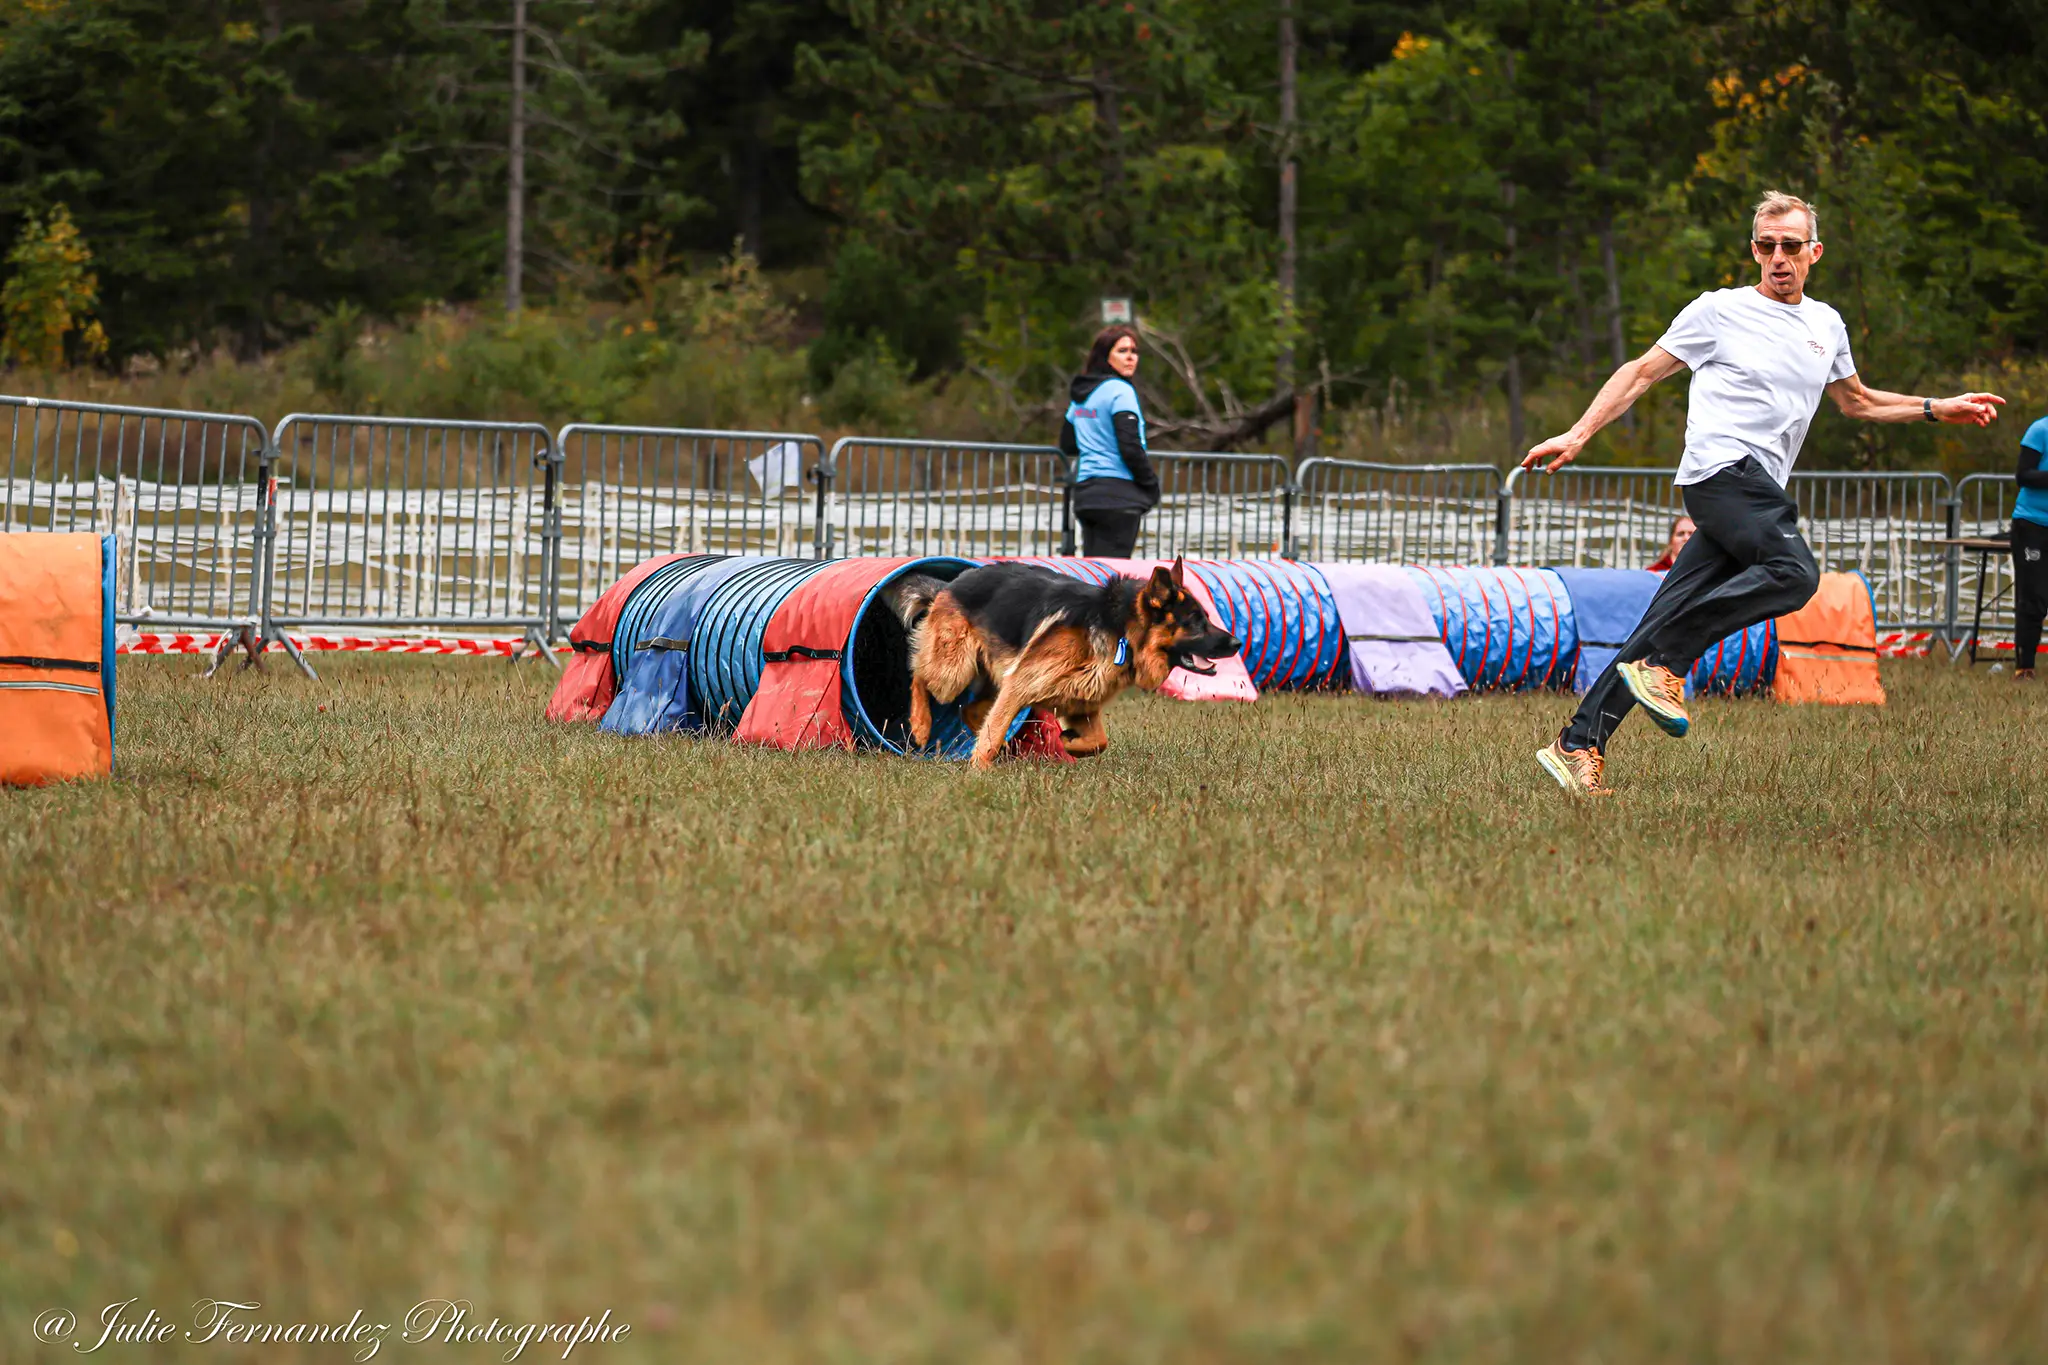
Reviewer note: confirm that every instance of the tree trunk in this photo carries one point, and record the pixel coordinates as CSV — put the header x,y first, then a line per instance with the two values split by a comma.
x,y
1617,341
1582,313
1108,119
515,166
1517,447
753,155
259,274
1283,379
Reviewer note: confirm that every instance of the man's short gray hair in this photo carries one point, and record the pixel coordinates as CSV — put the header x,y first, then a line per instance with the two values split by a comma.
x,y
1777,203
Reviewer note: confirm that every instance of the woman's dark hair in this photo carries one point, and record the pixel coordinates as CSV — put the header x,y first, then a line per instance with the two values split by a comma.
x,y
1105,341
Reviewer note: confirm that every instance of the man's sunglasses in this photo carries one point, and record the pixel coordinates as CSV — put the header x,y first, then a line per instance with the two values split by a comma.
x,y
1767,247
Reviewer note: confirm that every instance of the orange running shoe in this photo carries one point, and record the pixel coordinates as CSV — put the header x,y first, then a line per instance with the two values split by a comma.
x,y
1576,770
1660,692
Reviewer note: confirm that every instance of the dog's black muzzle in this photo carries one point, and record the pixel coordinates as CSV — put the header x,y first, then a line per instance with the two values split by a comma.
x,y
1192,656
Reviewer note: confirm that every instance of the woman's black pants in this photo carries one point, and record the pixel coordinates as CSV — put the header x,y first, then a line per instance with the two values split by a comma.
x,y
2029,588
1109,535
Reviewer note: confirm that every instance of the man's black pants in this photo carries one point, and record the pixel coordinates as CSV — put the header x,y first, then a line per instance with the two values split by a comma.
x,y
1745,564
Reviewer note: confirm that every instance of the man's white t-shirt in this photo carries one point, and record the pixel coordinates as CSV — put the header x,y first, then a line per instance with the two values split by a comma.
x,y
1758,369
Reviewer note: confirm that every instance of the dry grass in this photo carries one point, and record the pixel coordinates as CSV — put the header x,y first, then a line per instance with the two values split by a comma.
x,y
1315,1030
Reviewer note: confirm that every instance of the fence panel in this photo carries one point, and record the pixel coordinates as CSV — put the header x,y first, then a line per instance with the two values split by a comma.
x,y
889,497
1883,526
628,493
1218,507
1983,508
1587,516
1397,514
390,522
181,492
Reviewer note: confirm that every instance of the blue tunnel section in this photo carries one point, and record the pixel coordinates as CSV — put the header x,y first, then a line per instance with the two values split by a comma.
x,y
725,657
1284,614
653,638
1609,603
1507,629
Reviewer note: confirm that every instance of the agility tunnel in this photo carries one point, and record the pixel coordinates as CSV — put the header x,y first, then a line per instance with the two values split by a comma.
x,y
791,653
802,653
56,657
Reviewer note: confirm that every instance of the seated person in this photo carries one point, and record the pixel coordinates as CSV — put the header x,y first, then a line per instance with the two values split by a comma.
x,y
1681,531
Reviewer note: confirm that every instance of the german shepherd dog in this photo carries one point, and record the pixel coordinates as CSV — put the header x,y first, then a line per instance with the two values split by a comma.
x,y
1022,636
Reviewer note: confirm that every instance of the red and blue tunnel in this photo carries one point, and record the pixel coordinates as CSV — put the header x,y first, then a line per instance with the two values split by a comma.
x,y
803,653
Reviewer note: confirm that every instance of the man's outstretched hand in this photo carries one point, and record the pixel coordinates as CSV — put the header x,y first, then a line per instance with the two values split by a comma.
x,y
1559,450
1968,409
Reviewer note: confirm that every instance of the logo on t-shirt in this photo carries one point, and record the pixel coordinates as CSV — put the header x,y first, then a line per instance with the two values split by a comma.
x,y
1818,349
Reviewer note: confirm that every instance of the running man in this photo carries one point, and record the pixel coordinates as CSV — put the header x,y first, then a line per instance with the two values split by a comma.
x,y
1760,358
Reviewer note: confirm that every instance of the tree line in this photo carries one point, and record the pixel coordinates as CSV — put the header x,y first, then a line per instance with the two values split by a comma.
x,y
1311,203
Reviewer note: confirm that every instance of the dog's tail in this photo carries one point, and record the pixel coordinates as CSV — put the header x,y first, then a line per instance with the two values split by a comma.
x,y
911,597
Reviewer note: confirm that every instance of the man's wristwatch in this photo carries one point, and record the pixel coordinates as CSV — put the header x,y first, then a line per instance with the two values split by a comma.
x,y
1927,406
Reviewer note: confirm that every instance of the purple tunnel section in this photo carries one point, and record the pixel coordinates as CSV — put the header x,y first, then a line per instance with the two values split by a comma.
x,y
1394,645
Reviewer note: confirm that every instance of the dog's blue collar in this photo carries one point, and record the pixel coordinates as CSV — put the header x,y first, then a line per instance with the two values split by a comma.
x,y
1123,650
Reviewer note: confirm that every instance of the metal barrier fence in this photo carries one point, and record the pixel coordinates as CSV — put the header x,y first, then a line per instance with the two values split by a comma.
x,y
182,493
1884,526
1219,506
390,522
386,523
1403,514
1587,516
628,493
888,497
1983,507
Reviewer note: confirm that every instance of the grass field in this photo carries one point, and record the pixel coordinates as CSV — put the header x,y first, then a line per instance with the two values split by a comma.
x,y
1316,1030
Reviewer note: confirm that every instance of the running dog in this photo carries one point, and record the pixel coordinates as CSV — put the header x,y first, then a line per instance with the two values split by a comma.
x,y
1022,636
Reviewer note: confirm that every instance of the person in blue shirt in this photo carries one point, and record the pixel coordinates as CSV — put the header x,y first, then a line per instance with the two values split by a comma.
x,y
2030,549
1104,435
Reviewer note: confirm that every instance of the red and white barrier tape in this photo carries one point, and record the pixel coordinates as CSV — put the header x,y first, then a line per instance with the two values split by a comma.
x,y
1918,644
146,643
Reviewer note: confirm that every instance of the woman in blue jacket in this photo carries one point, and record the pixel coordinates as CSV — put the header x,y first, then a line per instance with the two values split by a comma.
x,y
1104,434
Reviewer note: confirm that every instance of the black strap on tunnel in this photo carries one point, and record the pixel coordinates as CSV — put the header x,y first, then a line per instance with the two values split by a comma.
x,y
31,661
1401,639
666,642
783,656
591,646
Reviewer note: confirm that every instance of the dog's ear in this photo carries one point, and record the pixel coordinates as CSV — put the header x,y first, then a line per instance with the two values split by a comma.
x,y
1160,589
1177,577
